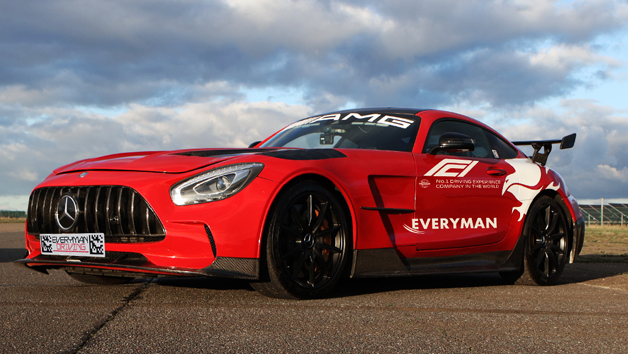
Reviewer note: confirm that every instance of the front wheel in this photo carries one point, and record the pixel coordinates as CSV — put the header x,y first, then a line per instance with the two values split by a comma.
x,y
547,245
307,244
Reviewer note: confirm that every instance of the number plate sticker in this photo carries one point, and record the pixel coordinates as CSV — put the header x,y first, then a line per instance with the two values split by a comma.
x,y
80,245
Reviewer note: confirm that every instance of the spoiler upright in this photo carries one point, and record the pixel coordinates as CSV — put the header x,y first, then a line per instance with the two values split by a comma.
x,y
566,142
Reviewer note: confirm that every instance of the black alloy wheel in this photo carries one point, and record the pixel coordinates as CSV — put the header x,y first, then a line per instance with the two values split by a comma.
x,y
547,244
307,244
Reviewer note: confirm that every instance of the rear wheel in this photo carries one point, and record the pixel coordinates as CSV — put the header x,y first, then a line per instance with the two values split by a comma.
x,y
307,244
547,245
99,279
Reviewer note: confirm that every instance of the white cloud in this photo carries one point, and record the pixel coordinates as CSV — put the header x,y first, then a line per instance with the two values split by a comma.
x,y
597,166
565,57
612,173
209,124
339,48
29,152
24,173
14,202
83,78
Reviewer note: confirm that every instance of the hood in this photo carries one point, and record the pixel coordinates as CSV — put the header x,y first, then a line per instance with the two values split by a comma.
x,y
159,161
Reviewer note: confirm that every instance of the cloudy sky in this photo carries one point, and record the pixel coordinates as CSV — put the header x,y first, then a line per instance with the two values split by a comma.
x,y
83,78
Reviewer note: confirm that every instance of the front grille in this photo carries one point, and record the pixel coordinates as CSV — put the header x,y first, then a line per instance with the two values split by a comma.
x,y
121,213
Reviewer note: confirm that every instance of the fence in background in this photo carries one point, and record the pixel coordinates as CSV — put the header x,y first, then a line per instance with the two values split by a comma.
x,y
605,214
12,214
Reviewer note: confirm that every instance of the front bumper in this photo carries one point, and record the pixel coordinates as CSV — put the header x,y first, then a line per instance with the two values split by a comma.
x,y
223,267
187,247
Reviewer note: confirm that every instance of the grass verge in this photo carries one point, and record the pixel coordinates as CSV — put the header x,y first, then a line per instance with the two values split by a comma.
x,y
12,220
605,243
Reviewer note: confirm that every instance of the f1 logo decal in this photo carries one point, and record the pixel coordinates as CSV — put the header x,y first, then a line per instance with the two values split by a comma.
x,y
451,168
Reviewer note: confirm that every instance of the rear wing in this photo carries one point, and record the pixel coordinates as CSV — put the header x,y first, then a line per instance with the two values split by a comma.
x,y
566,142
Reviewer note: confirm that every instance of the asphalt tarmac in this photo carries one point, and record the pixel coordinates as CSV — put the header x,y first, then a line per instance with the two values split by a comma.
x,y
586,313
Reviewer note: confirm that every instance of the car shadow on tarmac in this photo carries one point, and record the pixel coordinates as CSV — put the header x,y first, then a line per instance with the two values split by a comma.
x,y
203,283
588,267
574,273
11,254
349,287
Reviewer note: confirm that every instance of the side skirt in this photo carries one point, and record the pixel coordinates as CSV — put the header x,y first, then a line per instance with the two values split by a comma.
x,y
385,262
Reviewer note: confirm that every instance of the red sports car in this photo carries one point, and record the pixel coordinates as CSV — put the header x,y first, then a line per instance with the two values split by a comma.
x,y
355,193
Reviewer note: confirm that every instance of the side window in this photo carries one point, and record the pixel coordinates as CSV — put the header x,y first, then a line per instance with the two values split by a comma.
x,y
482,145
501,149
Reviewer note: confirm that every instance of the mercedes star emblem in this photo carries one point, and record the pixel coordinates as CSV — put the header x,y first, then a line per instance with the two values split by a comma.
x,y
67,212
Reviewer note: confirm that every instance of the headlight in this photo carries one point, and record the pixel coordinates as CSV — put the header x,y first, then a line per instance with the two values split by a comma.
x,y
216,184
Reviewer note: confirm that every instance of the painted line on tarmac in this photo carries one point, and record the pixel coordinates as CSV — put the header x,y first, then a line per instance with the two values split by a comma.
x,y
605,287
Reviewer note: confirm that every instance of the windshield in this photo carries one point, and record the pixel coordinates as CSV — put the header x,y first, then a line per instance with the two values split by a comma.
x,y
350,130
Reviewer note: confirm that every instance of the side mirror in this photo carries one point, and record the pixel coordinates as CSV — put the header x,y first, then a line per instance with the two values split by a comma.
x,y
254,144
453,142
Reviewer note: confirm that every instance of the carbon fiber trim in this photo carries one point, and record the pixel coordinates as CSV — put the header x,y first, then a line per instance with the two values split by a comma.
x,y
310,154
221,152
375,262
43,265
223,267
240,268
386,262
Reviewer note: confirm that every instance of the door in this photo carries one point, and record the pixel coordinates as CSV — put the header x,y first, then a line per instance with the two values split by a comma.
x,y
459,200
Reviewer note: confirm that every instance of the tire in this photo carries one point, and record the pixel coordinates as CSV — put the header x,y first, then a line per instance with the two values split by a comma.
x,y
546,245
307,244
99,279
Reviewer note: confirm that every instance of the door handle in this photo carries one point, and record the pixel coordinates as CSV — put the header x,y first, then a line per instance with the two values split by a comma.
x,y
496,172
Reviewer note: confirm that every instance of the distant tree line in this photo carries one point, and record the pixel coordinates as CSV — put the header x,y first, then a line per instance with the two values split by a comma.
x,y
12,214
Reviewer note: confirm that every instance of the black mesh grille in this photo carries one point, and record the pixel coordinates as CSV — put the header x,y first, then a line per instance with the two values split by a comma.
x,y
119,212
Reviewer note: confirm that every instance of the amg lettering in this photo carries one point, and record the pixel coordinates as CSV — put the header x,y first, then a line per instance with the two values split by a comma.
x,y
377,118
329,117
396,122
372,117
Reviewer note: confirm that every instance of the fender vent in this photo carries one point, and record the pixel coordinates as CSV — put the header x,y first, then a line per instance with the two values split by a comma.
x,y
121,213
